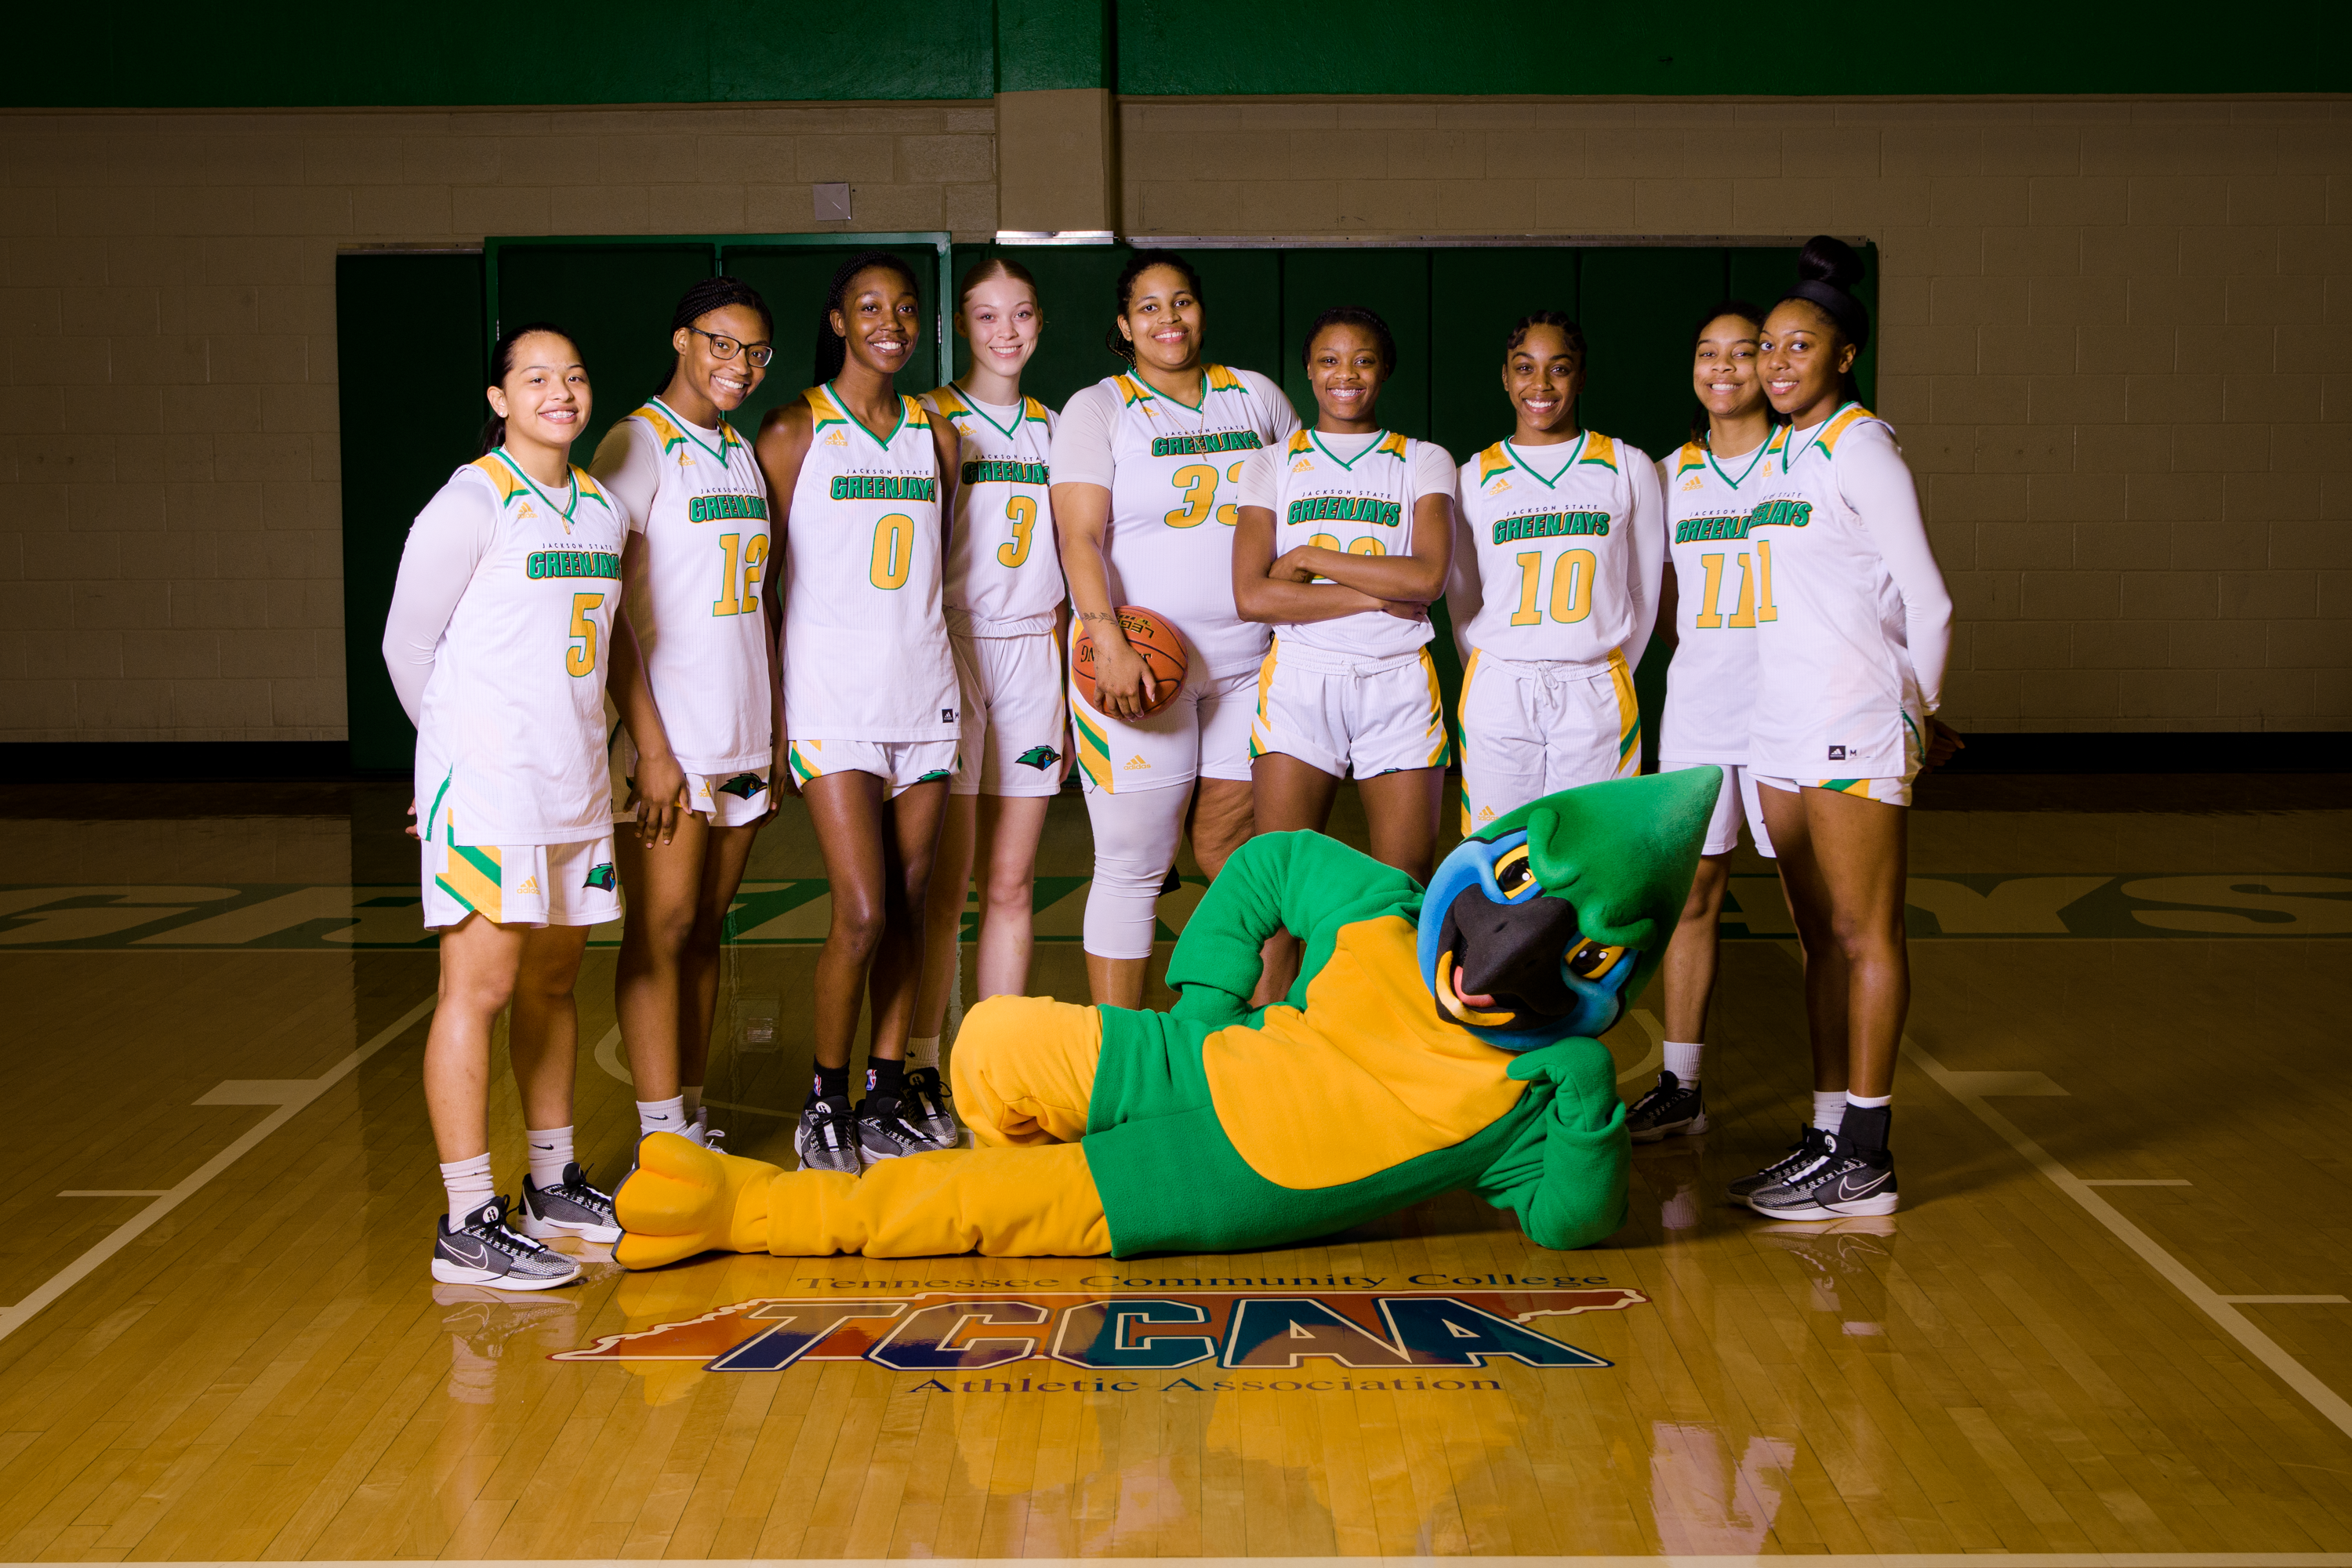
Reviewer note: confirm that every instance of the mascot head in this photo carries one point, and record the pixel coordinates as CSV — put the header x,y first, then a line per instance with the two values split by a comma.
x,y
1549,922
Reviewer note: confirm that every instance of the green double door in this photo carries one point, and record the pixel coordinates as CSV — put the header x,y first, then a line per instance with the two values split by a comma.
x,y
1450,308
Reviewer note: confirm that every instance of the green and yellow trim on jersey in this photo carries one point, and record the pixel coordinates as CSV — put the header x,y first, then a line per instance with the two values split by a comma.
x,y
825,409
671,429
1629,715
1213,378
804,766
1843,420
1829,432
1442,753
952,405
1094,753
1692,456
1217,378
511,483
1494,459
473,875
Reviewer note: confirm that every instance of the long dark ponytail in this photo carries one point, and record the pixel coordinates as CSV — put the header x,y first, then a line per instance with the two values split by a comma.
x,y
502,355
714,293
831,347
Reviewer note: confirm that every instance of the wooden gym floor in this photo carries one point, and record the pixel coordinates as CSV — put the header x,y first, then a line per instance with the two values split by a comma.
x,y
2110,1325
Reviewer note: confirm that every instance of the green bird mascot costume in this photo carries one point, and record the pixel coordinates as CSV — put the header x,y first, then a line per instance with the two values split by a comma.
x,y
1433,1040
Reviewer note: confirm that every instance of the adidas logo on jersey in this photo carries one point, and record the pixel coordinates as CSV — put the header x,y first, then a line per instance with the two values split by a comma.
x,y
1485,813
1498,484
836,438
1303,466
1696,481
1137,761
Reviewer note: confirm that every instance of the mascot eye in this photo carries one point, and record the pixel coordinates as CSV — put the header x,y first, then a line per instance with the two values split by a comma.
x,y
1588,959
1513,875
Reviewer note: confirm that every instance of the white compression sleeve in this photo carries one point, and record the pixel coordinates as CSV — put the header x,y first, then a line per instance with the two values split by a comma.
x,y
1135,843
1876,482
628,464
1649,541
447,542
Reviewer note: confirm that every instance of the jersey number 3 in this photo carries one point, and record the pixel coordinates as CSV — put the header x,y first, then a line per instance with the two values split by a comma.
x,y
1023,511
1199,483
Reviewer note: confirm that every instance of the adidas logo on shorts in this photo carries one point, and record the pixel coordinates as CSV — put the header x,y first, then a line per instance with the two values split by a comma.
x,y
1137,760
529,885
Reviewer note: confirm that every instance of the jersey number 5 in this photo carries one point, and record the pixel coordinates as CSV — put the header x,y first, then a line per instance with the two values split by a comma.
x,y
580,658
1571,587
1023,511
740,587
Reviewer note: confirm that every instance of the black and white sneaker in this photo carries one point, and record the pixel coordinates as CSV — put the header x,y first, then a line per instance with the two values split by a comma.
x,y
1671,1107
926,1100
887,1130
483,1251
827,1139
570,1207
1808,1148
1855,1177
701,1132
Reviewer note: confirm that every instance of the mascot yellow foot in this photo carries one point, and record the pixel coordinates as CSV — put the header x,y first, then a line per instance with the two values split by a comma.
x,y
683,1199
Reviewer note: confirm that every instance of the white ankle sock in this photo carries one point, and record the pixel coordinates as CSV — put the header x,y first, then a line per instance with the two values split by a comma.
x,y
691,1093
1829,1109
1682,1059
1868,1101
468,1184
923,1052
550,1150
662,1115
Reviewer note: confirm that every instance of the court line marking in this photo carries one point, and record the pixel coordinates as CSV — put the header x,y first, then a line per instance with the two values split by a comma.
x,y
2212,1303
2136,1182
2290,1301
114,1192
1659,1560
80,1268
608,1056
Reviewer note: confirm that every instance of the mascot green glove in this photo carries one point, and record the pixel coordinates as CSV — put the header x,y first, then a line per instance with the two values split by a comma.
x,y
1433,1040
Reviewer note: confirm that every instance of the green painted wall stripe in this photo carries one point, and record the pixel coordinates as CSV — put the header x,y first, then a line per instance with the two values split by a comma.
x,y
1044,45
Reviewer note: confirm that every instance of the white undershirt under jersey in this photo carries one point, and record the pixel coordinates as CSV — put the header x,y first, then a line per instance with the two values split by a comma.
x,y
865,632
1853,622
1711,685
700,502
1174,476
497,642
1354,493
1004,568
1564,545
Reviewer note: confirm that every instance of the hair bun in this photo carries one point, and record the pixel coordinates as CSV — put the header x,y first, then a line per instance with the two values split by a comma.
x,y
1831,260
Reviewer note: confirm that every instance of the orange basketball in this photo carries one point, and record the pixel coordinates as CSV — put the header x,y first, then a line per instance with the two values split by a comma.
x,y
1151,637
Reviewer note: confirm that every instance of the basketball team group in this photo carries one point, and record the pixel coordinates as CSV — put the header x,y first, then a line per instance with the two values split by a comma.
x,y
921,615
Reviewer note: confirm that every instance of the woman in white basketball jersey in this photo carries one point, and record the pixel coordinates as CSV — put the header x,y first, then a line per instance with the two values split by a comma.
x,y
498,641
1346,532
692,573
863,480
1853,625
1005,608
1554,588
1147,475
1708,613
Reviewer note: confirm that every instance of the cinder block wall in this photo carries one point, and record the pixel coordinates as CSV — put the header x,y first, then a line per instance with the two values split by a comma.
x,y
2114,339
170,487
2110,344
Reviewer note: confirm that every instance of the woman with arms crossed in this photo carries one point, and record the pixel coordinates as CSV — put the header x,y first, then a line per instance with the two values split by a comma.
x,y
1147,466
1853,625
1708,613
864,480
496,641
1554,588
1004,600
1345,535
704,632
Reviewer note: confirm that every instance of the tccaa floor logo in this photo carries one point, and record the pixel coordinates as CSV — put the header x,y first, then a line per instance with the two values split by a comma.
x,y
942,1334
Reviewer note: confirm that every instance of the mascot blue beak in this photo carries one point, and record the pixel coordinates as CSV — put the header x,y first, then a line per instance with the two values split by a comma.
x,y
1509,962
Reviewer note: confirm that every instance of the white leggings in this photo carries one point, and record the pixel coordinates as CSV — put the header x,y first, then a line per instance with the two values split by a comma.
x,y
1135,843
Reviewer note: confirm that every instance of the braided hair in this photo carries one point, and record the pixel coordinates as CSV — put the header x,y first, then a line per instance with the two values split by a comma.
x,y
832,347
502,358
1352,316
715,293
1141,262
1565,325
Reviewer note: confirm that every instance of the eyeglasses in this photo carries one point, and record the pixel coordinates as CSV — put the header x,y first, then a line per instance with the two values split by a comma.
x,y
759,355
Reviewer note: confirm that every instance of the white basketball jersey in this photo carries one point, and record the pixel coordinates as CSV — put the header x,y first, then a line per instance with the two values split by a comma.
x,y
1550,529
865,635
1174,502
1004,569
511,735
1711,685
1835,695
696,605
1362,506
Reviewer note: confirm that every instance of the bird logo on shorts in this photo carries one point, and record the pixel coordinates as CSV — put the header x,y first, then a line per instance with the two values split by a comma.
x,y
1039,757
743,784
602,877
